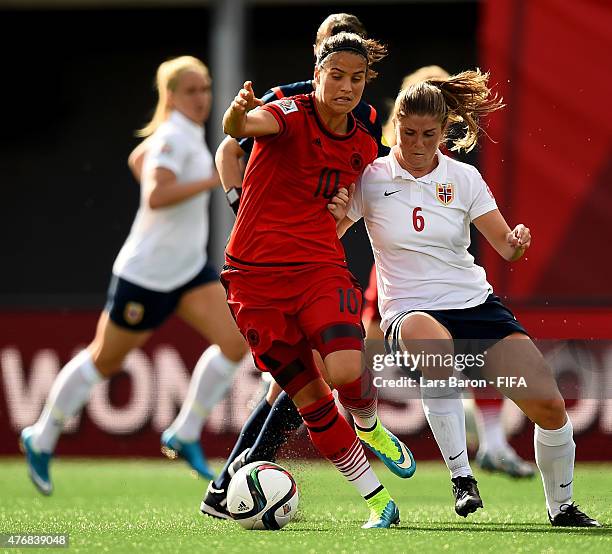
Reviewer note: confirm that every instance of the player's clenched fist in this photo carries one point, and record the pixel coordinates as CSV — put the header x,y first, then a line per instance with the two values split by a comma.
x,y
339,204
520,237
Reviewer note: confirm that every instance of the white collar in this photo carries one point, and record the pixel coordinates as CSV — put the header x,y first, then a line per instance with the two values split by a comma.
x,y
189,126
438,175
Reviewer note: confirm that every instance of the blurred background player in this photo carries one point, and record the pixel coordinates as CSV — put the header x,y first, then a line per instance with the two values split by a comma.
x,y
436,300
494,452
271,422
307,148
161,269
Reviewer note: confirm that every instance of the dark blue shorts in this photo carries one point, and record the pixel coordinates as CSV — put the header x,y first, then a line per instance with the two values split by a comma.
x,y
473,329
139,309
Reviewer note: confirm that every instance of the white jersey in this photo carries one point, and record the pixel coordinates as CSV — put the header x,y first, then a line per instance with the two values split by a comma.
x,y
166,247
420,232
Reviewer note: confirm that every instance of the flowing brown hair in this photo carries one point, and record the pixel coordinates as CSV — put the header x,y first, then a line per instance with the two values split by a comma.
x,y
463,98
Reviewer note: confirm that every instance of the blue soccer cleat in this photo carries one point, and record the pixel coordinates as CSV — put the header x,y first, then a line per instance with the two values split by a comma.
x,y
383,519
506,461
38,463
389,449
172,447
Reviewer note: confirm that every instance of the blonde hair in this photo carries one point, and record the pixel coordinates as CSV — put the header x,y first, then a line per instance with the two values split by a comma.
x,y
422,74
463,98
167,79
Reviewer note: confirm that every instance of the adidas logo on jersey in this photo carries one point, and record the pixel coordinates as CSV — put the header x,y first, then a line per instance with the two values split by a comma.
x,y
242,506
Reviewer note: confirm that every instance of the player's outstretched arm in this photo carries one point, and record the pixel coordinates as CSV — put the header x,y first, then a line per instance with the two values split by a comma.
x,y
240,121
510,244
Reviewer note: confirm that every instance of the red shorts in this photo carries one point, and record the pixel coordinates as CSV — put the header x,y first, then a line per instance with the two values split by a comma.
x,y
317,305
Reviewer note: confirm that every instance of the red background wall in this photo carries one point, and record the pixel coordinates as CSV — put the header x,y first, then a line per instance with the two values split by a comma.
x,y
551,165
140,403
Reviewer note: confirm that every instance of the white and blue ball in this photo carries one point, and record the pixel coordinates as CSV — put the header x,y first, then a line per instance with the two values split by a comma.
x,y
262,495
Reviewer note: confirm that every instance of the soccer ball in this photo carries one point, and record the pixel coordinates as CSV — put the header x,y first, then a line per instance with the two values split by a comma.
x,y
262,495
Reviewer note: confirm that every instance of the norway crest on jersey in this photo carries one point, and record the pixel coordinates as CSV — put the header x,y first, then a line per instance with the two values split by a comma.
x,y
133,313
445,193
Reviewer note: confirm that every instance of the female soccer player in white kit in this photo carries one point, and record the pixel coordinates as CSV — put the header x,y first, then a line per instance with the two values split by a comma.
x,y
417,205
161,269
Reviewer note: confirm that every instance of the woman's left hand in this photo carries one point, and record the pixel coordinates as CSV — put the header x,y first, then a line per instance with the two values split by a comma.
x,y
520,238
339,204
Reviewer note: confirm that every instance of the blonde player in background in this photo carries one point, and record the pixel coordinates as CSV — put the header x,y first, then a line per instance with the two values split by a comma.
x,y
161,269
436,300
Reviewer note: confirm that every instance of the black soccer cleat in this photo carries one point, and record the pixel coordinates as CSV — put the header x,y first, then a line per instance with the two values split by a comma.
x,y
571,516
214,503
467,497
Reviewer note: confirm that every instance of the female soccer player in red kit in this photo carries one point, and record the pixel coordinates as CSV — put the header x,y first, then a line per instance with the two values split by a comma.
x,y
286,276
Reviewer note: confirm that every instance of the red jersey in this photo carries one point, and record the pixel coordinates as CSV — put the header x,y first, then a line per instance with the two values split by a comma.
x,y
283,220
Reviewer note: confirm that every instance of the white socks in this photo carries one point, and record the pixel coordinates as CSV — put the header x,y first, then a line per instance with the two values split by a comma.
x,y
491,435
554,453
210,381
357,470
69,393
447,421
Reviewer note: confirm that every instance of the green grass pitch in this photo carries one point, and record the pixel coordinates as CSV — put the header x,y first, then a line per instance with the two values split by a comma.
x,y
153,506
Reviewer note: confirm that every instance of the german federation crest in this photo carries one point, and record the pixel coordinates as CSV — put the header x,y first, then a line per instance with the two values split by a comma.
x,y
445,193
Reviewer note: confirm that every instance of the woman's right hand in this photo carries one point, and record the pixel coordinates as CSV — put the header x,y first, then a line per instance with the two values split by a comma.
x,y
245,100
339,205
238,122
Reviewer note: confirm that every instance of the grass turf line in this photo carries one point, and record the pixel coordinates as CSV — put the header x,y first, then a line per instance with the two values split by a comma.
x,y
152,506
